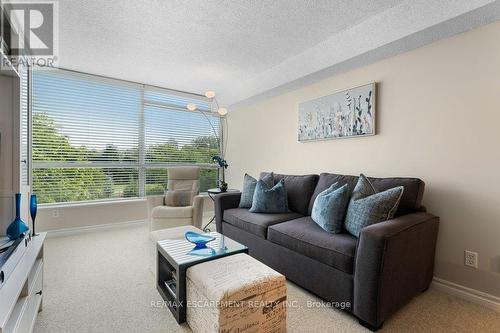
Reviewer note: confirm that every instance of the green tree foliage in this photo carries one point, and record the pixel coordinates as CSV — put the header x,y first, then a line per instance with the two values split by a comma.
x,y
78,184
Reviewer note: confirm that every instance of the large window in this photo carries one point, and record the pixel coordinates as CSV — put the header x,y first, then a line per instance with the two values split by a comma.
x,y
96,138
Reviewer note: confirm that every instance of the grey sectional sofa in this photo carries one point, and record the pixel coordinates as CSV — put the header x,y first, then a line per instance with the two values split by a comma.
x,y
371,277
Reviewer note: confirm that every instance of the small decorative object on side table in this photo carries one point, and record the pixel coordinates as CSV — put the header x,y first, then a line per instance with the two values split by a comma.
x,y
223,166
199,240
212,193
175,256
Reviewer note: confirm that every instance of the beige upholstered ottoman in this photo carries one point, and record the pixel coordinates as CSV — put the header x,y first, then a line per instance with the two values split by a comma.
x,y
170,233
233,294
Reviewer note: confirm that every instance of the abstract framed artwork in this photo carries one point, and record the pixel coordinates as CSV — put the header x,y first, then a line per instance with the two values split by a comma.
x,y
345,114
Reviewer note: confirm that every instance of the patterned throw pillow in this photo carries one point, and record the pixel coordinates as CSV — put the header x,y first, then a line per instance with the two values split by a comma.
x,y
249,184
270,200
179,198
329,208
369,206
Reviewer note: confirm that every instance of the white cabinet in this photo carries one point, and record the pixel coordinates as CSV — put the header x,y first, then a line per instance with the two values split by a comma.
x,y
21,295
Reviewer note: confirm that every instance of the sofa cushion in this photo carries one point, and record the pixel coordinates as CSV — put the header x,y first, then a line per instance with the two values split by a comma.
x,y
304,236
411,200
299,190
330,207
249,184
369,206
267,199
255,223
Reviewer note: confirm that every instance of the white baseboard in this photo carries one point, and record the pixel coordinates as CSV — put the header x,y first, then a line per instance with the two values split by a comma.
x,y
468,294
92,228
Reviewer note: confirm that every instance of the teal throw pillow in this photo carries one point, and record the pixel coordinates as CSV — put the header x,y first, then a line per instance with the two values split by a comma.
x,y
268,199
249,184
329,208
369,206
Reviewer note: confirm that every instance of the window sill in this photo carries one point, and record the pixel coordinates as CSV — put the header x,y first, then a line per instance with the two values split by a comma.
x,y
90,203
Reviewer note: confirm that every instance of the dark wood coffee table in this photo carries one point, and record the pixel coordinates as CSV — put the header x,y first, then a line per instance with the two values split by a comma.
x,y
175,256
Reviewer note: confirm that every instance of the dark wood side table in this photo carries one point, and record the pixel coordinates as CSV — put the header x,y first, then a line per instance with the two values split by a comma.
x,y
212,193
175,256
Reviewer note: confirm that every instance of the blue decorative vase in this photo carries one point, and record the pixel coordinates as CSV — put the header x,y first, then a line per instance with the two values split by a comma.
x,y
17,227
33,210
199,240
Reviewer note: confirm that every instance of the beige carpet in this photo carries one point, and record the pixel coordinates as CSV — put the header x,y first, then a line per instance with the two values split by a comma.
x,y
100,282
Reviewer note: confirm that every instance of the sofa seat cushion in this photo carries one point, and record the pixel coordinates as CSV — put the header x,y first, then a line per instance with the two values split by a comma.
x,y
304,236
169,212
256,223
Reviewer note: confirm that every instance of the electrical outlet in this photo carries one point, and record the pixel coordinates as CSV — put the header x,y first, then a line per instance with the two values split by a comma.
x,y
55,213
470,259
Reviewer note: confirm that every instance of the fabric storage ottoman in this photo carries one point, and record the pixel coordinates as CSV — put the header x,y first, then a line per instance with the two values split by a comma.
x,y
235,294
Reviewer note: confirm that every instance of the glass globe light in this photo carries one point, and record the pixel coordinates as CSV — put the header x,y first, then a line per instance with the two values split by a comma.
x,y
191,106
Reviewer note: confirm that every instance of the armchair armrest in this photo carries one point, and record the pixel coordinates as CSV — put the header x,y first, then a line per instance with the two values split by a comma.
x,y
222,202
394,262
198,210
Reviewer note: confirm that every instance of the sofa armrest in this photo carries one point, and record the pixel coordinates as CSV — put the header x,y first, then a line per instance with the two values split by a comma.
x,y
394,262
222,202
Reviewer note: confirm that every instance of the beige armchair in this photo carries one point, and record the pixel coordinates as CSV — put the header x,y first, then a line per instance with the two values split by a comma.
x,y
185,180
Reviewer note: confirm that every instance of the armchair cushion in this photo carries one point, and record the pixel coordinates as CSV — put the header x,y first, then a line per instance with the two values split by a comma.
x,y
168,212
179,198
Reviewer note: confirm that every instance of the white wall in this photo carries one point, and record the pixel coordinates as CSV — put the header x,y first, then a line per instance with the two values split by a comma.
x,y
438,118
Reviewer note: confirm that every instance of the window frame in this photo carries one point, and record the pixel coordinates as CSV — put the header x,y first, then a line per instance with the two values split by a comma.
x,y
142,165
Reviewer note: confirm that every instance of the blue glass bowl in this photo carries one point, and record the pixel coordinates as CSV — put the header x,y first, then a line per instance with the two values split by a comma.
x,y
204,251
199,240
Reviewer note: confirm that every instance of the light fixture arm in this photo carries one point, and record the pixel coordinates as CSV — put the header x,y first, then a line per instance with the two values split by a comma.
x,y
222,137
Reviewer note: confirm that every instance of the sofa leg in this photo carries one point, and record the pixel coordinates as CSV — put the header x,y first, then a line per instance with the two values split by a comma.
x,y
369,326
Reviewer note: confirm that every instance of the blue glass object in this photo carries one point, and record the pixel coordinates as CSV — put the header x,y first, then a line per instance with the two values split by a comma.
x,y
33,210
17,227
198,239
204,251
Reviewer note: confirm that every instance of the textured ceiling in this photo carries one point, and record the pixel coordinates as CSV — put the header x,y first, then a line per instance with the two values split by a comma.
x,y
237,48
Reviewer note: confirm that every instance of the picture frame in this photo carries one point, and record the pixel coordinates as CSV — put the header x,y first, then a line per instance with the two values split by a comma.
x,y
347,113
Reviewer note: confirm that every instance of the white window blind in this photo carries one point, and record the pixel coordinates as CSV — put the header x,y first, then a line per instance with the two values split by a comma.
x,y
96,138
25,97
174,135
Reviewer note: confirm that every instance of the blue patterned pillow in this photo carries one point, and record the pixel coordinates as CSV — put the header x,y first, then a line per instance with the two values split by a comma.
x,y
368,206
329,208
270,200
249,184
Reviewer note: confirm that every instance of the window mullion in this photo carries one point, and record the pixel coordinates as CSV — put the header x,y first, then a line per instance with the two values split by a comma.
x,y
142,149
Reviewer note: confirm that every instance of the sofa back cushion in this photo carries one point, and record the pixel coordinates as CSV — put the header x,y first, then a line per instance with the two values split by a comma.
x,y
411,200
300,190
